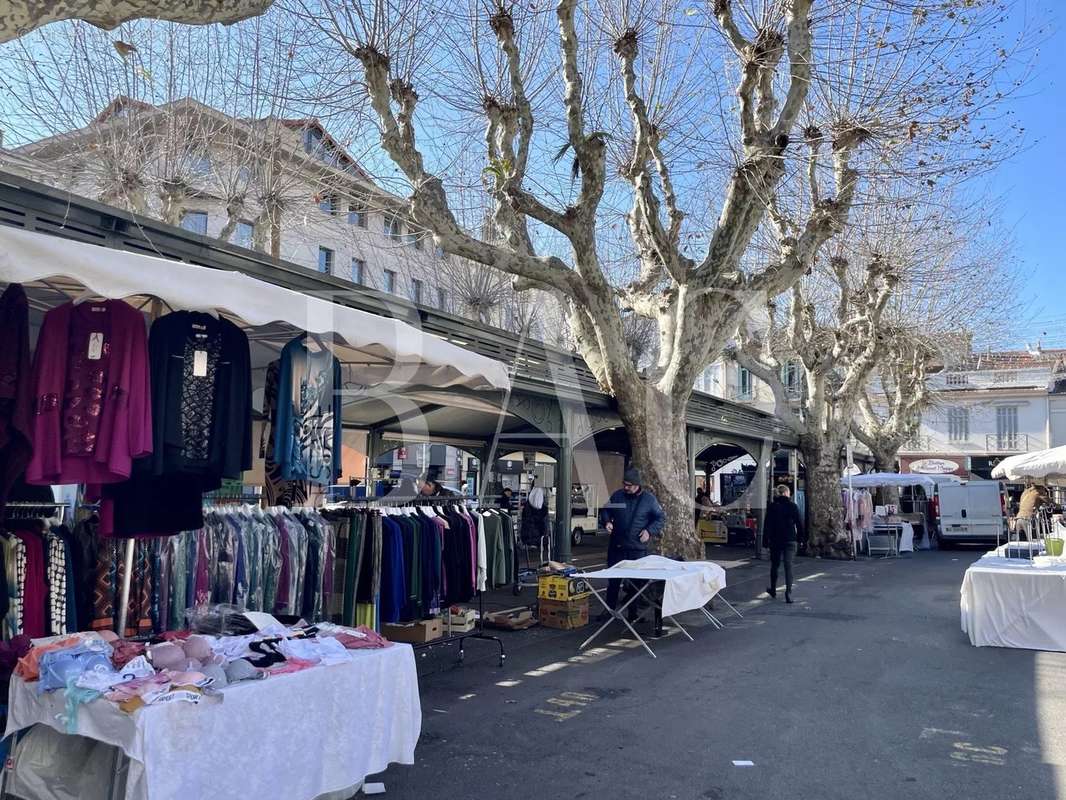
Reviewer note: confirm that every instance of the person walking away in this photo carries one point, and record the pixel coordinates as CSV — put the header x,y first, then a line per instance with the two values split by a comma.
x,y
781,530
1033,498
632,517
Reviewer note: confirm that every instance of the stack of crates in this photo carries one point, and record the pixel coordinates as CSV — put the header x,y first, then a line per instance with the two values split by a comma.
x,y
563,602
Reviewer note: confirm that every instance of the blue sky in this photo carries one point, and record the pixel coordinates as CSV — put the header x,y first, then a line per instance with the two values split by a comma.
x,y
1033,184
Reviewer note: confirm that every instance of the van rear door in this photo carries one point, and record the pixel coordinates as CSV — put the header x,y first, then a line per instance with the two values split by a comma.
x,y
971,511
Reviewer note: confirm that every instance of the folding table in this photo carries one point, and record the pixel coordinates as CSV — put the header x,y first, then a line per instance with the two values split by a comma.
x,y
687,586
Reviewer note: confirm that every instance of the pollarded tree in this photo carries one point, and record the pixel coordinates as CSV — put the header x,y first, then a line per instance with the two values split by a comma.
x,y
627,98
967,288
836,352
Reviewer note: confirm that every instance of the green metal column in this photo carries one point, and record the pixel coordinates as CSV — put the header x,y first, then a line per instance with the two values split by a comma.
x,y
564,478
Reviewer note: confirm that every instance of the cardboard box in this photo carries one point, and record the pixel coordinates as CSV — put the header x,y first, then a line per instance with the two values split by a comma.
x,y
425,630
563,615
561,588
512,619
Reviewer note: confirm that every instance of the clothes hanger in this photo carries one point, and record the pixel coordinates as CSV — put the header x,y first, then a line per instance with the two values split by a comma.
x,y
88,294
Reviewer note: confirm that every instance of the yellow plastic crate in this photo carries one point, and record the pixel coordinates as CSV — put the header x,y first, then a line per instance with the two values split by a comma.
x,y
561,588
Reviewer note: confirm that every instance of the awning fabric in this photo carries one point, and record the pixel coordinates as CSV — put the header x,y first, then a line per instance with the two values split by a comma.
x,y
875,480
1048,466
379,350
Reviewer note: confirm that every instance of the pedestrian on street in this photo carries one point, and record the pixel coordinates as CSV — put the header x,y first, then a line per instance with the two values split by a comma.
x,y
632,517
781,530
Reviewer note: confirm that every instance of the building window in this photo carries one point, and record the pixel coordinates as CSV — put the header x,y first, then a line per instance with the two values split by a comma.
x,y
358,270
442,299
744,384
313,141
243,234
958,379
1007,427
357,215
390,281
325,260
199,164
417,291
393,227
790,379
415,240
958,424
330,205
195,221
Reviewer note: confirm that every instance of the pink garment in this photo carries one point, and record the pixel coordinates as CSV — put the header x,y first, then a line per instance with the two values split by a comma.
x,y
471,531
124,652
139,687
290,665
122,428
371,640
442,526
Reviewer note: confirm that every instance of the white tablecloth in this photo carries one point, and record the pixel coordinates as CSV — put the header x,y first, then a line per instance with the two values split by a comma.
x,y
1015,603
292,737
688,585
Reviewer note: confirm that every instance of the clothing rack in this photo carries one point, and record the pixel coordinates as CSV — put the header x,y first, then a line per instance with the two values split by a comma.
x,y
435,500
29,510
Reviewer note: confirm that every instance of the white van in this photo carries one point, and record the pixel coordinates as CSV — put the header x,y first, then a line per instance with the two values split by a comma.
x,y
973,511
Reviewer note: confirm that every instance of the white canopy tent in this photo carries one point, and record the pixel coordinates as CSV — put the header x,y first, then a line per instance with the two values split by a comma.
x,y
1046,466
880,480
376,350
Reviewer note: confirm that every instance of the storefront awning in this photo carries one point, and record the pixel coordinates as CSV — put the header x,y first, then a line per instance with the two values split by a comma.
x,y
377,351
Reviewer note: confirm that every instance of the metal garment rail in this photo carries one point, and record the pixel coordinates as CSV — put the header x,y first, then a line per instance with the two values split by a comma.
x,y
459,638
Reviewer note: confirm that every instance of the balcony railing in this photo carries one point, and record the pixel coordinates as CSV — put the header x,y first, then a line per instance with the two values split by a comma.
x,y
1009,443
917,444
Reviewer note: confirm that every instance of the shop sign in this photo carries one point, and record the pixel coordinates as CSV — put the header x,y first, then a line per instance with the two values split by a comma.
x,y
934,466
401,453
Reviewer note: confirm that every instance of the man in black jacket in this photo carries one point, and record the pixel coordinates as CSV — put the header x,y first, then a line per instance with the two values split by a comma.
x,y
632,516
781,531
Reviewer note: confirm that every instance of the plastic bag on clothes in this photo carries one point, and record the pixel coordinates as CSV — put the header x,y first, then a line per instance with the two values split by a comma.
x,y
56,766
60,667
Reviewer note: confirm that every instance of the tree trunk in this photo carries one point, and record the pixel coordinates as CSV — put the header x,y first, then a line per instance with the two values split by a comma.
x,y
656,428
825,506
884,460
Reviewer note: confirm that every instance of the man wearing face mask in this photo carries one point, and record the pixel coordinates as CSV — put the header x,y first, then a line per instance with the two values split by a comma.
x,y
632,517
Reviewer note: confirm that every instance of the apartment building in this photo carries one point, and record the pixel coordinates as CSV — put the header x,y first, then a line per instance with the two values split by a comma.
x,y
989,406
283,186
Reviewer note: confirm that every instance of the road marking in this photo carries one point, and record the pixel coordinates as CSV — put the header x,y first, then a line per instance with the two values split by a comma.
x,y
574,702
929,733
546,669
975,754
813,577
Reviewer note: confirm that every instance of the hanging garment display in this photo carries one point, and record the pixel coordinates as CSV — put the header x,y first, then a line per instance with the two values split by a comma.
x,y
92,395
307,436
16,395
276,489
201,413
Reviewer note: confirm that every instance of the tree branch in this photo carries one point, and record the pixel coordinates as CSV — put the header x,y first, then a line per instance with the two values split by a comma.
x,y
19,18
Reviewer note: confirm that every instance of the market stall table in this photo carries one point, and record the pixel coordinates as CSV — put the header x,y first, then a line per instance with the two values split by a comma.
x,y
687,586
296,736
1011,602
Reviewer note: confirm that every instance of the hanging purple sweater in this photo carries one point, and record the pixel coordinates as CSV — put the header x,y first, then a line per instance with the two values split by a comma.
x,y
107,381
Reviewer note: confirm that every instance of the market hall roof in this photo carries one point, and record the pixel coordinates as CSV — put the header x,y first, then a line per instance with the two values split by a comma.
x,y
381,351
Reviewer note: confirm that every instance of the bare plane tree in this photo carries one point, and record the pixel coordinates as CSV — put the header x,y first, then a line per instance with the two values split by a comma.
x,y
649,141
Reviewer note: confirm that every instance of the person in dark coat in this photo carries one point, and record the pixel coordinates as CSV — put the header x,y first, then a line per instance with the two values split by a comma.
x,y
781,531
632,517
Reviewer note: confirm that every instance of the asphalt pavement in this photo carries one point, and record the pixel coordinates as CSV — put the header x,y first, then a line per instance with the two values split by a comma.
x,y
864,688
